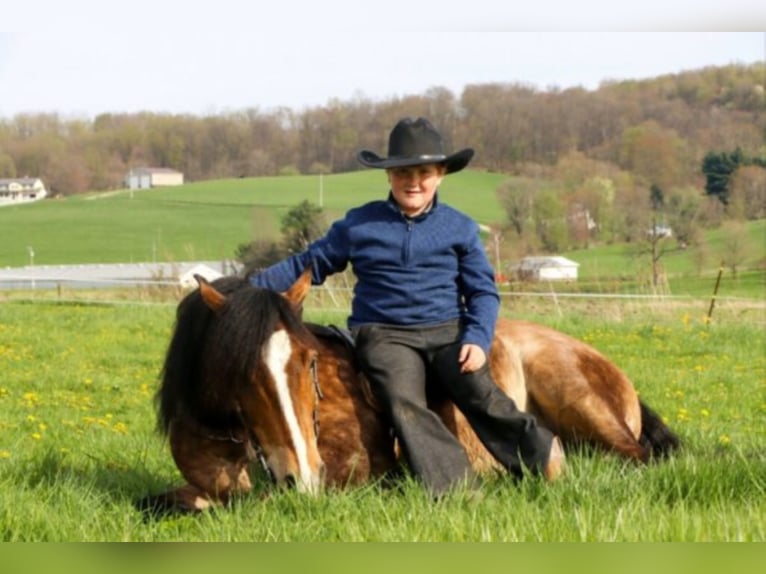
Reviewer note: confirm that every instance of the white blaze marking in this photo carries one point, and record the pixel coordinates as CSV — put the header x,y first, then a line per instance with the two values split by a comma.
x,y
277,354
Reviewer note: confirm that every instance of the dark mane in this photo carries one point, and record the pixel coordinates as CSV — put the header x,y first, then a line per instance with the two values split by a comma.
x,y
212,355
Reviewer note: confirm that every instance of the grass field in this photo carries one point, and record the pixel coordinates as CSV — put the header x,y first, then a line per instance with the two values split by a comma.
x,y
77,440
198,221
208,220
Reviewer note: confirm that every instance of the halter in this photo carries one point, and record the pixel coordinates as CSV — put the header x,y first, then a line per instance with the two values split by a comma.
x,y
254,448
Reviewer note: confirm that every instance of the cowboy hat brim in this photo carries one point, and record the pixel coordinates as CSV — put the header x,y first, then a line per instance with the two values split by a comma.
x,y
453,163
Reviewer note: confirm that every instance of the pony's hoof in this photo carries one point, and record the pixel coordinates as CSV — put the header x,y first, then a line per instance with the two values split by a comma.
x,y
556,464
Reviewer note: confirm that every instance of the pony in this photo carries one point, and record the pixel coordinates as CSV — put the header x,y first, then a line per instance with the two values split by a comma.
x,y
246,379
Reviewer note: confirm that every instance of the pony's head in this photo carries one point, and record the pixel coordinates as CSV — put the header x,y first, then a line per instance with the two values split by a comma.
x,y
257,366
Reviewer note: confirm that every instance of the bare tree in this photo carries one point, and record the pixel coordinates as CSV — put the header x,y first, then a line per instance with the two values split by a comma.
x,y
516,196
736,247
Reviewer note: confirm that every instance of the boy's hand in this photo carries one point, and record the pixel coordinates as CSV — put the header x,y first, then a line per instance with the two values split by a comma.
x,y
472,358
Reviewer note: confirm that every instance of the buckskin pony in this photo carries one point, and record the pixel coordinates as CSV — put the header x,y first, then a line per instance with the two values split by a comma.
x,y
245,378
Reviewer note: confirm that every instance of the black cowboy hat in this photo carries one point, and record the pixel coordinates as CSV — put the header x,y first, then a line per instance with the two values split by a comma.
x,y
415,142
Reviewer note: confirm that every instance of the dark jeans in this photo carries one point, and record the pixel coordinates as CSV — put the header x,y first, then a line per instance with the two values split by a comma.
x,y
398,361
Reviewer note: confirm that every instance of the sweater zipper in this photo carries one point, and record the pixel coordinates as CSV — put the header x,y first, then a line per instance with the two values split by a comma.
x,y
408,241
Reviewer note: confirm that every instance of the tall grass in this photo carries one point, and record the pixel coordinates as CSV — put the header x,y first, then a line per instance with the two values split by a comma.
x,y
78,446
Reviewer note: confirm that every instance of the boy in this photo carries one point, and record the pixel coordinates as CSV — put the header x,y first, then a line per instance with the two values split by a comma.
x,y
424,309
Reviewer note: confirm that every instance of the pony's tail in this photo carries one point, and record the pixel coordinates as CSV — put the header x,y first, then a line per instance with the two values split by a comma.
x,y
655,434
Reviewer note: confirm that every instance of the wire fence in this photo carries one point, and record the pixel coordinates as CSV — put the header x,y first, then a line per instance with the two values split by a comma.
x,y
334,297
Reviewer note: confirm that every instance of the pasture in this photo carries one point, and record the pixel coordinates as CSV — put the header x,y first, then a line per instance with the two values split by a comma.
x,y
208,220
79,370
198,221
78,445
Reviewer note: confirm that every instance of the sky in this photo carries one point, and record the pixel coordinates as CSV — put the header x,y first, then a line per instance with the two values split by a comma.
x,y
86,57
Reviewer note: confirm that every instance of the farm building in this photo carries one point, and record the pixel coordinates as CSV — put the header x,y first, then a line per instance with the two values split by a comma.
x,y
21,190
148,177
553,268
660,231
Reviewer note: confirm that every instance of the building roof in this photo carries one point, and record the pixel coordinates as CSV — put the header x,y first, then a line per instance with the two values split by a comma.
x,y
150,170
546,261
26,181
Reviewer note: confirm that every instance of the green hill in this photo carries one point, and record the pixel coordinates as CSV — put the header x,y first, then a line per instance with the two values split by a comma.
x,y
208,220
205,220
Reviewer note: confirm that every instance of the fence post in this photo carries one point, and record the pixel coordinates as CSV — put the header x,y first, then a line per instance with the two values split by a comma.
x,y
715,293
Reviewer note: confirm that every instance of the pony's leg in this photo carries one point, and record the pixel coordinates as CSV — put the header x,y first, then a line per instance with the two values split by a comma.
x,y
218,466
215,469
590,419
184,499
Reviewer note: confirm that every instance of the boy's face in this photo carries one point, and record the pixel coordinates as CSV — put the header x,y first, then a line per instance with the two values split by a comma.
x,y
414,187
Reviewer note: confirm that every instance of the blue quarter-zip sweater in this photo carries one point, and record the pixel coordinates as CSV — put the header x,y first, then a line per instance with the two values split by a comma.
x,y
420,271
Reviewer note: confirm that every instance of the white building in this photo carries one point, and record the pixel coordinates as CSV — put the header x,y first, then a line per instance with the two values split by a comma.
x,y
547,268
21,190
148,177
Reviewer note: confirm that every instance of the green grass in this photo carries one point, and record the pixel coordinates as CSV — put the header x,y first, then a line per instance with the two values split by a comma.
x,y
208,220
617,261
77,441
199,221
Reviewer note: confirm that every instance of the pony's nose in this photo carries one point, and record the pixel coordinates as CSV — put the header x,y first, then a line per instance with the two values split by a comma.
x,y
290,481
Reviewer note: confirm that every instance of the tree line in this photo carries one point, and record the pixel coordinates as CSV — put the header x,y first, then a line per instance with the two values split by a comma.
x,y
658,129
622,163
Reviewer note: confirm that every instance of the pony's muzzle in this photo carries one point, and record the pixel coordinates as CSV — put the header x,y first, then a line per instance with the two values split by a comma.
x,y
310,483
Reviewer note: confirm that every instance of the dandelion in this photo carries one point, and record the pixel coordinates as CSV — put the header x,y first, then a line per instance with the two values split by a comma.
x,y
31,398
724,440
705,413
4,454
37,436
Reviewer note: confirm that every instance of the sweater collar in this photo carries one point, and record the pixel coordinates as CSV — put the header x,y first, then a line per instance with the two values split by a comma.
x,y
395,206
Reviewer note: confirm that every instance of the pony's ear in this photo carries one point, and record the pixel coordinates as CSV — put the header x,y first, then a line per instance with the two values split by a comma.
x,y
210,295
297,293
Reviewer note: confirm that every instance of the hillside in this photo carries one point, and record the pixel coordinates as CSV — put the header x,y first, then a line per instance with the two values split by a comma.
x,y
208,220
205,220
